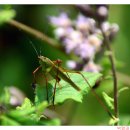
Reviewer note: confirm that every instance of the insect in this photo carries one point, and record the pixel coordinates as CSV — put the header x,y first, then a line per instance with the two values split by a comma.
x,y
54,69
57,72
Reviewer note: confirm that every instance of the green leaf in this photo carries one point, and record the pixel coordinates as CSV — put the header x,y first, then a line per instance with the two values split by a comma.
x,y
26,108
105,63
52,122
113,121
123,89
109,101
6,15
27,114
26,105
65,91
8,121
5,96
40,108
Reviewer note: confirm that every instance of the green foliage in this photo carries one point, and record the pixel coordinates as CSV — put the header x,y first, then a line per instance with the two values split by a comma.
x,y
26,114
64,90
106,63
123,89
109,101
6,15
4,96
124,119
113,121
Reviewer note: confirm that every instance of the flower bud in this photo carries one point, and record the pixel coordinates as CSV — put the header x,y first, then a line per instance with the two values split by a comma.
x,y
17,96
102,13
85,51
91,67
61,21
95,41
71,64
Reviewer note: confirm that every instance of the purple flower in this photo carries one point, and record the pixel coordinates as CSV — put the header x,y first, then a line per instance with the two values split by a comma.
x,y
61,21
84,24
105,26
69,45
72,41
85,51
95,41
71,64
91,67
83,38
76,36
61,32
110,29
114,28
102,11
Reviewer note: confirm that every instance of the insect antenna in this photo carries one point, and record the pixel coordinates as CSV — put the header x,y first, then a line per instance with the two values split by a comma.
x,y
30,41
40,50
34,47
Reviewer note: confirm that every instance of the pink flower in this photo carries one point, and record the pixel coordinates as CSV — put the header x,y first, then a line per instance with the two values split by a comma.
x,y
91,67
69,45
95,41
61,21
84,24
85,51
71,64
61,32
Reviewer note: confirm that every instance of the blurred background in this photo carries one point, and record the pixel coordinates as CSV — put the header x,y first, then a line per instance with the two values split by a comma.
x,y
18,59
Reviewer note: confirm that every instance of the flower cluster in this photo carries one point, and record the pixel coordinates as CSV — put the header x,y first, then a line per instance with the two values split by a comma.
x,y
82,37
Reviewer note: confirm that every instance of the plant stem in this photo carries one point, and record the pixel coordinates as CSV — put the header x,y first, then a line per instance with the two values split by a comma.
x,y
41,36
111,58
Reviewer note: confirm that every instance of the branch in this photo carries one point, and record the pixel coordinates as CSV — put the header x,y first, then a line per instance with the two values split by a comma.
x,y
39,35
111,58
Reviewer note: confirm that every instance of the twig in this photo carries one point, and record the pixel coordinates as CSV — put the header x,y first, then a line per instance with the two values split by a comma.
x,y
111,58
41,36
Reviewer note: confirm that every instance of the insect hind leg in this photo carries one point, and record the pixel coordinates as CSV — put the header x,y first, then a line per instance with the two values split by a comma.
x,y
58,62
47,95
34,77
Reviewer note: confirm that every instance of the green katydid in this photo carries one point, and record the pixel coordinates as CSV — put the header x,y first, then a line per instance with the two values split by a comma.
x,y
57,72
54,69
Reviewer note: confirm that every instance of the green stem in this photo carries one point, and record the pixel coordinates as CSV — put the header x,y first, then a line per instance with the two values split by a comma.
x,y
111,58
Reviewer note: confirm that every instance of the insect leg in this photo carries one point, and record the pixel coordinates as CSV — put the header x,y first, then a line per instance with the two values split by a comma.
x,y
34,72
94,93
57,80
34,77
47,97
54,94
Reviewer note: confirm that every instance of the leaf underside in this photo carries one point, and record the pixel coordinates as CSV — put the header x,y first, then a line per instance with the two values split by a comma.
x,y
64,90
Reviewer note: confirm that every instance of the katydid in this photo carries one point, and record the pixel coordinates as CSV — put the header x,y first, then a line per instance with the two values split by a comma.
x,y
57,72
54,69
